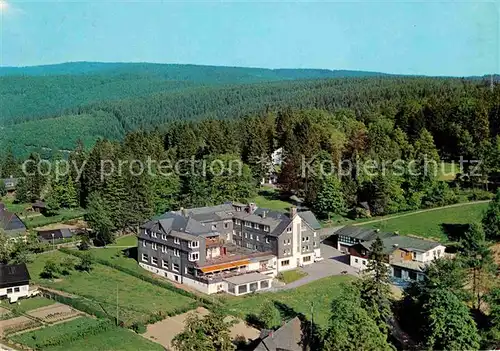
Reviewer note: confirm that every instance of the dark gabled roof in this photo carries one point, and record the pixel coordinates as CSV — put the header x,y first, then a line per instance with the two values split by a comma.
x,y
13,274
39,204
10,222
173,223
362,233
288,337
310,218
62,233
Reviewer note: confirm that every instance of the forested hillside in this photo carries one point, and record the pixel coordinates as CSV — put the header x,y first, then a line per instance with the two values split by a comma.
x,y
41,91
450,108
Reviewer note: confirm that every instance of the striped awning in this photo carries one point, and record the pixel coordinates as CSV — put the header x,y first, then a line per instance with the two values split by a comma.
x,y
222,266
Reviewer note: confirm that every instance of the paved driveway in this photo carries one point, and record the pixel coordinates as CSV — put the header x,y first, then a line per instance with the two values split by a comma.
x,y
333,264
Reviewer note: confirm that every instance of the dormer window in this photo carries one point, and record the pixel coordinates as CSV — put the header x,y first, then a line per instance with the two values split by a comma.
x,y
266,228
248,224
164,237
214,226
177,241
153,235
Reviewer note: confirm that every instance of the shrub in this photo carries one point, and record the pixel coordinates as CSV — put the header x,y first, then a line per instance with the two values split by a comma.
x,y
139,327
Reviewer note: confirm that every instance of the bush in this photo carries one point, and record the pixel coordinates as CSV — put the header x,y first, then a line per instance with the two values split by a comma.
x,y
50,270
478,195
269,316
139,327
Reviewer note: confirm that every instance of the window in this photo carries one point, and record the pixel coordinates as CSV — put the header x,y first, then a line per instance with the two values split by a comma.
x,y
153,235
314,234
154,261
177,252
267,240
175,267
164,237
285,263
214,226
246,235
264,284
16,289
266,228
427,254
414,255
144,243
164,249
364,262
248,224
226,225
164,264
356,260
177,241
251,236
257,238
194,256
289,229
255,226
315,244
193,244
9,290
145,257
306,259
237,221
249,245
154,246
307,238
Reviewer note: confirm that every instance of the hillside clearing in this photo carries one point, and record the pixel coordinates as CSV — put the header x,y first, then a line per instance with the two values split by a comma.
x,y
442,224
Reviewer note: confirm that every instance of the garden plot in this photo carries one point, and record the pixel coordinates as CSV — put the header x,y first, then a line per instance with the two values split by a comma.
x,y
54,313
16,324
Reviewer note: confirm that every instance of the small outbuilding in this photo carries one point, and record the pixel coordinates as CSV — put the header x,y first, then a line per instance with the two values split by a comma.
x,y
14,281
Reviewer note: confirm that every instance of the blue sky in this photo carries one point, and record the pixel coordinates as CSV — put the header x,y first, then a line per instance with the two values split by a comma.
x,y
430,38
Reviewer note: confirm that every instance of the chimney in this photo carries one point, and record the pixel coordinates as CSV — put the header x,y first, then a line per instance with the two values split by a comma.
x,y
183,212
251,207
293,211
264,214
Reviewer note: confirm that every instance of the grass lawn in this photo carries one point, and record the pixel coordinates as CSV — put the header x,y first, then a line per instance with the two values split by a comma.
x,y
299,300
63,215
269,198
111,339
24,305
128,241
442,224
291,276
137,299
14,207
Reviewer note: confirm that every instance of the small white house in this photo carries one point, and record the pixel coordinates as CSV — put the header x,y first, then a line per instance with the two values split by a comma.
x,y
14,282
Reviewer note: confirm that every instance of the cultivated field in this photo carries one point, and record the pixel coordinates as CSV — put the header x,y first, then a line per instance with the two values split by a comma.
x,y
84,334
137,300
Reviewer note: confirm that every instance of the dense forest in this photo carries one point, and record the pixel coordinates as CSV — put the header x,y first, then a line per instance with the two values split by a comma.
x,y
55,118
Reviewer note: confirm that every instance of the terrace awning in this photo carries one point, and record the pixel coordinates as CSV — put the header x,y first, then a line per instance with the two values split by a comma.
x,y
229,265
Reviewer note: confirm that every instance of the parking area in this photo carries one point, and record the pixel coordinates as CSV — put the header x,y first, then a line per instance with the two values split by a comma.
x,y
333,263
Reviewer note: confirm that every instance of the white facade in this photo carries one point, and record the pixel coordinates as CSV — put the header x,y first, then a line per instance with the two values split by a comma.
x,y
13,293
